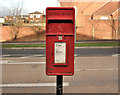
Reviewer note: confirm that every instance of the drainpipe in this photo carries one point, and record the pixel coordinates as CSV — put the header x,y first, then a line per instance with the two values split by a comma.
x,y
116,30
93,30
113,25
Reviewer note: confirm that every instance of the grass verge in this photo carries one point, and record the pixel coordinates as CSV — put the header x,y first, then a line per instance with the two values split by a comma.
x,y
96,44
76,45
26,45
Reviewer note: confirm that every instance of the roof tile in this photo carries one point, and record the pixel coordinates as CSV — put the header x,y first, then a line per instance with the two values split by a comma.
x,y
107,9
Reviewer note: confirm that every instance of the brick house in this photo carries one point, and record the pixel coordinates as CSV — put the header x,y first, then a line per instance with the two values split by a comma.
x,y
88,26
35,17
108,16
11,19
8,18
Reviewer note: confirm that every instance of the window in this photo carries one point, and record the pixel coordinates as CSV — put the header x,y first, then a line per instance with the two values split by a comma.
x,y
104,18
37,15
31,16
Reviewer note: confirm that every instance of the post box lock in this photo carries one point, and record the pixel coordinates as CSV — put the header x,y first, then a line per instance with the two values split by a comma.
x,y
60,37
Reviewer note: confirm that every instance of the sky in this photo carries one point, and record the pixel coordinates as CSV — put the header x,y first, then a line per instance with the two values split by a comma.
x,y
33,5
29,5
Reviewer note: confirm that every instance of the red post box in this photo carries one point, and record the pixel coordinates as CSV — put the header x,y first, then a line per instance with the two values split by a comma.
x,y
60,27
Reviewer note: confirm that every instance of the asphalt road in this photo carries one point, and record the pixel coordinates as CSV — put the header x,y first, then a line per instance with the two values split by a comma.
x,y
96,71
92,75
78,51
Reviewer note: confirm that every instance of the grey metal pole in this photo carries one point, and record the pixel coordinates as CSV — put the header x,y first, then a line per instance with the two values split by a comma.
x,y
59,88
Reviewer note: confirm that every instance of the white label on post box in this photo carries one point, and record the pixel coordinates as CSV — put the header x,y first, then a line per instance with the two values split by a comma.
x,y
60,52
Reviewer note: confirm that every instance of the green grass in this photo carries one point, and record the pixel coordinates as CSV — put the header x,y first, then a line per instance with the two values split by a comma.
x,y
76,45
96,44
30,45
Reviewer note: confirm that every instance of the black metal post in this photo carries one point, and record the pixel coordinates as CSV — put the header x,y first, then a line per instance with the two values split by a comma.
x,y
59,88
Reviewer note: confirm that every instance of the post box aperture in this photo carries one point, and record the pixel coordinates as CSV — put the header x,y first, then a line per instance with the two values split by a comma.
x,y
60,27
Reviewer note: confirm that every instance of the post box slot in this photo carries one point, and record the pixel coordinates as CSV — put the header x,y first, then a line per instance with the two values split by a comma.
x,y
60,21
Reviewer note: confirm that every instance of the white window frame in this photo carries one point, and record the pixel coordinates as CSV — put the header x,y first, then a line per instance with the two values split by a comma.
x,y
37,15
104,18
31,15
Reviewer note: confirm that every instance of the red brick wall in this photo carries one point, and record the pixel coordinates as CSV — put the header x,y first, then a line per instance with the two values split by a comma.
x,y
25,34
84,31
102,30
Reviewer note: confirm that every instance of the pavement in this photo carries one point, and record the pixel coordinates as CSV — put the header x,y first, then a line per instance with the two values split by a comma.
x,y
92,75
26,74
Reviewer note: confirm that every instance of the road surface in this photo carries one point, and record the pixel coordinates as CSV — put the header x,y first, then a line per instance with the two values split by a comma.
x,y
78,51
96,71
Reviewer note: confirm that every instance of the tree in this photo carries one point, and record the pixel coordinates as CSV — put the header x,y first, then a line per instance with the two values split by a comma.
x,y
16,26
16,22
37,29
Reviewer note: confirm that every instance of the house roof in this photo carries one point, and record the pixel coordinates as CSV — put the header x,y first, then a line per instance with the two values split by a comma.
x,y
66,3
36,12
8,17
107,9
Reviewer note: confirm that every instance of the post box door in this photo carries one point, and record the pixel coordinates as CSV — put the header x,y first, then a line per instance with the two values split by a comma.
x,y
60,23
